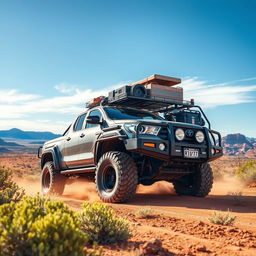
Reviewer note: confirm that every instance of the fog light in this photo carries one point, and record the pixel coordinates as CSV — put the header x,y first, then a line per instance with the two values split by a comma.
x,y
162,146
200,136
179,134
213,151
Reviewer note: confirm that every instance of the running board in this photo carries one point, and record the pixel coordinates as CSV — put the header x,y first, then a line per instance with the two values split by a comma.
x,y
79,170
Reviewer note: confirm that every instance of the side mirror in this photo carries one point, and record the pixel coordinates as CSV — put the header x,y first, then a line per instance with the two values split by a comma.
x,y
93,120
202,122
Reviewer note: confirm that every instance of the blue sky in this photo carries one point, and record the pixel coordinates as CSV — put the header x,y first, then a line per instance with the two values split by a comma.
x,y
55,55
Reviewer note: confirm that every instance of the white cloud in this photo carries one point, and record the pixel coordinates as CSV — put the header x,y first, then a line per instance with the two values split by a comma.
x,y
69,104
74,103
213,95
13,96
67,88
18,109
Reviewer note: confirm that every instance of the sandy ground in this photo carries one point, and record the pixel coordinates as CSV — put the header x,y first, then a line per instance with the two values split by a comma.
x,y
181,222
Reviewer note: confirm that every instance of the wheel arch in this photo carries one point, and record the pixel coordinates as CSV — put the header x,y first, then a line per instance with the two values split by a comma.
x,y
104,146
50,155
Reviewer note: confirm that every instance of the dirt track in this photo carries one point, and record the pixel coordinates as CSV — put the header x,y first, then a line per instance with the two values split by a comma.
x,y
180,221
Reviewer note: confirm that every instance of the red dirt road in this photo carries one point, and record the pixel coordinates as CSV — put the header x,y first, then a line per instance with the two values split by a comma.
x,y
181,222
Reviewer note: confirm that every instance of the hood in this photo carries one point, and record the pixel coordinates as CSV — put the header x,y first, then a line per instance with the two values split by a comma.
x,y
122,122
50,142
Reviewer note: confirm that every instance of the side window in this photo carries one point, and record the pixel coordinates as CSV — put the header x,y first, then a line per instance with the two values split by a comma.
x,y
95,112
79,123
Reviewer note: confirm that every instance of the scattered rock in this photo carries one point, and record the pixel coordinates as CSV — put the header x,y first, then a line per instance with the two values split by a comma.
x,y
232,230
201,248
153,247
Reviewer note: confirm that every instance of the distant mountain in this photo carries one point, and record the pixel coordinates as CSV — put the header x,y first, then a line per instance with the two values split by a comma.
x,y
9,144
239,144
27,135
37,142
5,151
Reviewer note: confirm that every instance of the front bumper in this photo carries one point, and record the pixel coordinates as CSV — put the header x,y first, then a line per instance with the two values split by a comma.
x,y
174,150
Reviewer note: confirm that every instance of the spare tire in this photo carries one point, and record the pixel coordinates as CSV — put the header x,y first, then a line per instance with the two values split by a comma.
x,y
139,90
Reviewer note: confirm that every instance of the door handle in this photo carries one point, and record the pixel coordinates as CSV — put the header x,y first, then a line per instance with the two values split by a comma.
x,y
82,135
68,139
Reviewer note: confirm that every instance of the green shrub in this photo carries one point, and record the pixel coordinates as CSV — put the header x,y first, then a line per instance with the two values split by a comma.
x,y
247,172
146,212
100,224
9,190
40,226
222,218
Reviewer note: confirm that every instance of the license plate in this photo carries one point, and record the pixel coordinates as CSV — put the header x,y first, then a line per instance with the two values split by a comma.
x,y
191,153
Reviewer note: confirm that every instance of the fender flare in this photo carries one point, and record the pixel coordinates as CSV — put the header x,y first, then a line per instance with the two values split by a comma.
x,y
55,156
106,136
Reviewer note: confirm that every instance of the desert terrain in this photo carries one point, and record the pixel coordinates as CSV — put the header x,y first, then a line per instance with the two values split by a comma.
x,y
181,222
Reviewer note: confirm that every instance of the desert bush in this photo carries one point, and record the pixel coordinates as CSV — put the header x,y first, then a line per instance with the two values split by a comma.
x,y
146,212
9,190
222,218
40,226
237,197
101,225
247,171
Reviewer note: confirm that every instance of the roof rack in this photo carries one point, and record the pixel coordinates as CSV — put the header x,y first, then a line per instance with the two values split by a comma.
x,y
154,93
152,104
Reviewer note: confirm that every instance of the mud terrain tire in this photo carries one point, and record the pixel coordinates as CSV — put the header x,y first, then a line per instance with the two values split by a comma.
x,y
197,184
116,177
52,182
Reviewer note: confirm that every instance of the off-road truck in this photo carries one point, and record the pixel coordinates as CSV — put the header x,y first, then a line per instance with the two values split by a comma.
x,y
133,137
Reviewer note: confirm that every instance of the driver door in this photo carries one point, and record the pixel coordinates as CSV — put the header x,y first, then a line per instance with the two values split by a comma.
x,y
87,139
71,148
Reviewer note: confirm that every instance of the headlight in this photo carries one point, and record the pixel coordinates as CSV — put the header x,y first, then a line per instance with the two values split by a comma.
x,y
143,129
149,129
179,134
199,136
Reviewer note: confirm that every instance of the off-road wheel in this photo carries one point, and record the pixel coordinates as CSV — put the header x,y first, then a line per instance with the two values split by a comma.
x,y
52,182
116,177
197,184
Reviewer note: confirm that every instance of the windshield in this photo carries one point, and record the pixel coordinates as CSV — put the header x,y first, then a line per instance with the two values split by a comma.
x,y
128,113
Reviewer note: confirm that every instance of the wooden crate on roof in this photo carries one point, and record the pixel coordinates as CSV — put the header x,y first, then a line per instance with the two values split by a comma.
x,y
162,91
159,79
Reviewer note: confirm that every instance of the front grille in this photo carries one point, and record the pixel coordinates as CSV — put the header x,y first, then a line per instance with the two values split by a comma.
x,y
163,134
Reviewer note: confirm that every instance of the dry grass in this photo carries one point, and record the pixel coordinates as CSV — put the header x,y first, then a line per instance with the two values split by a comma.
x,y
23,165
237,197
222,218
146,212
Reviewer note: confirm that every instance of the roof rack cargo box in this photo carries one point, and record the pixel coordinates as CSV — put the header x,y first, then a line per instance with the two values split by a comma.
x,y
167,92
159,79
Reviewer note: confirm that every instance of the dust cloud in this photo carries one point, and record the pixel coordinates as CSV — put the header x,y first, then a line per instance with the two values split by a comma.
x,y
81,189
161,187
227,185
31,187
